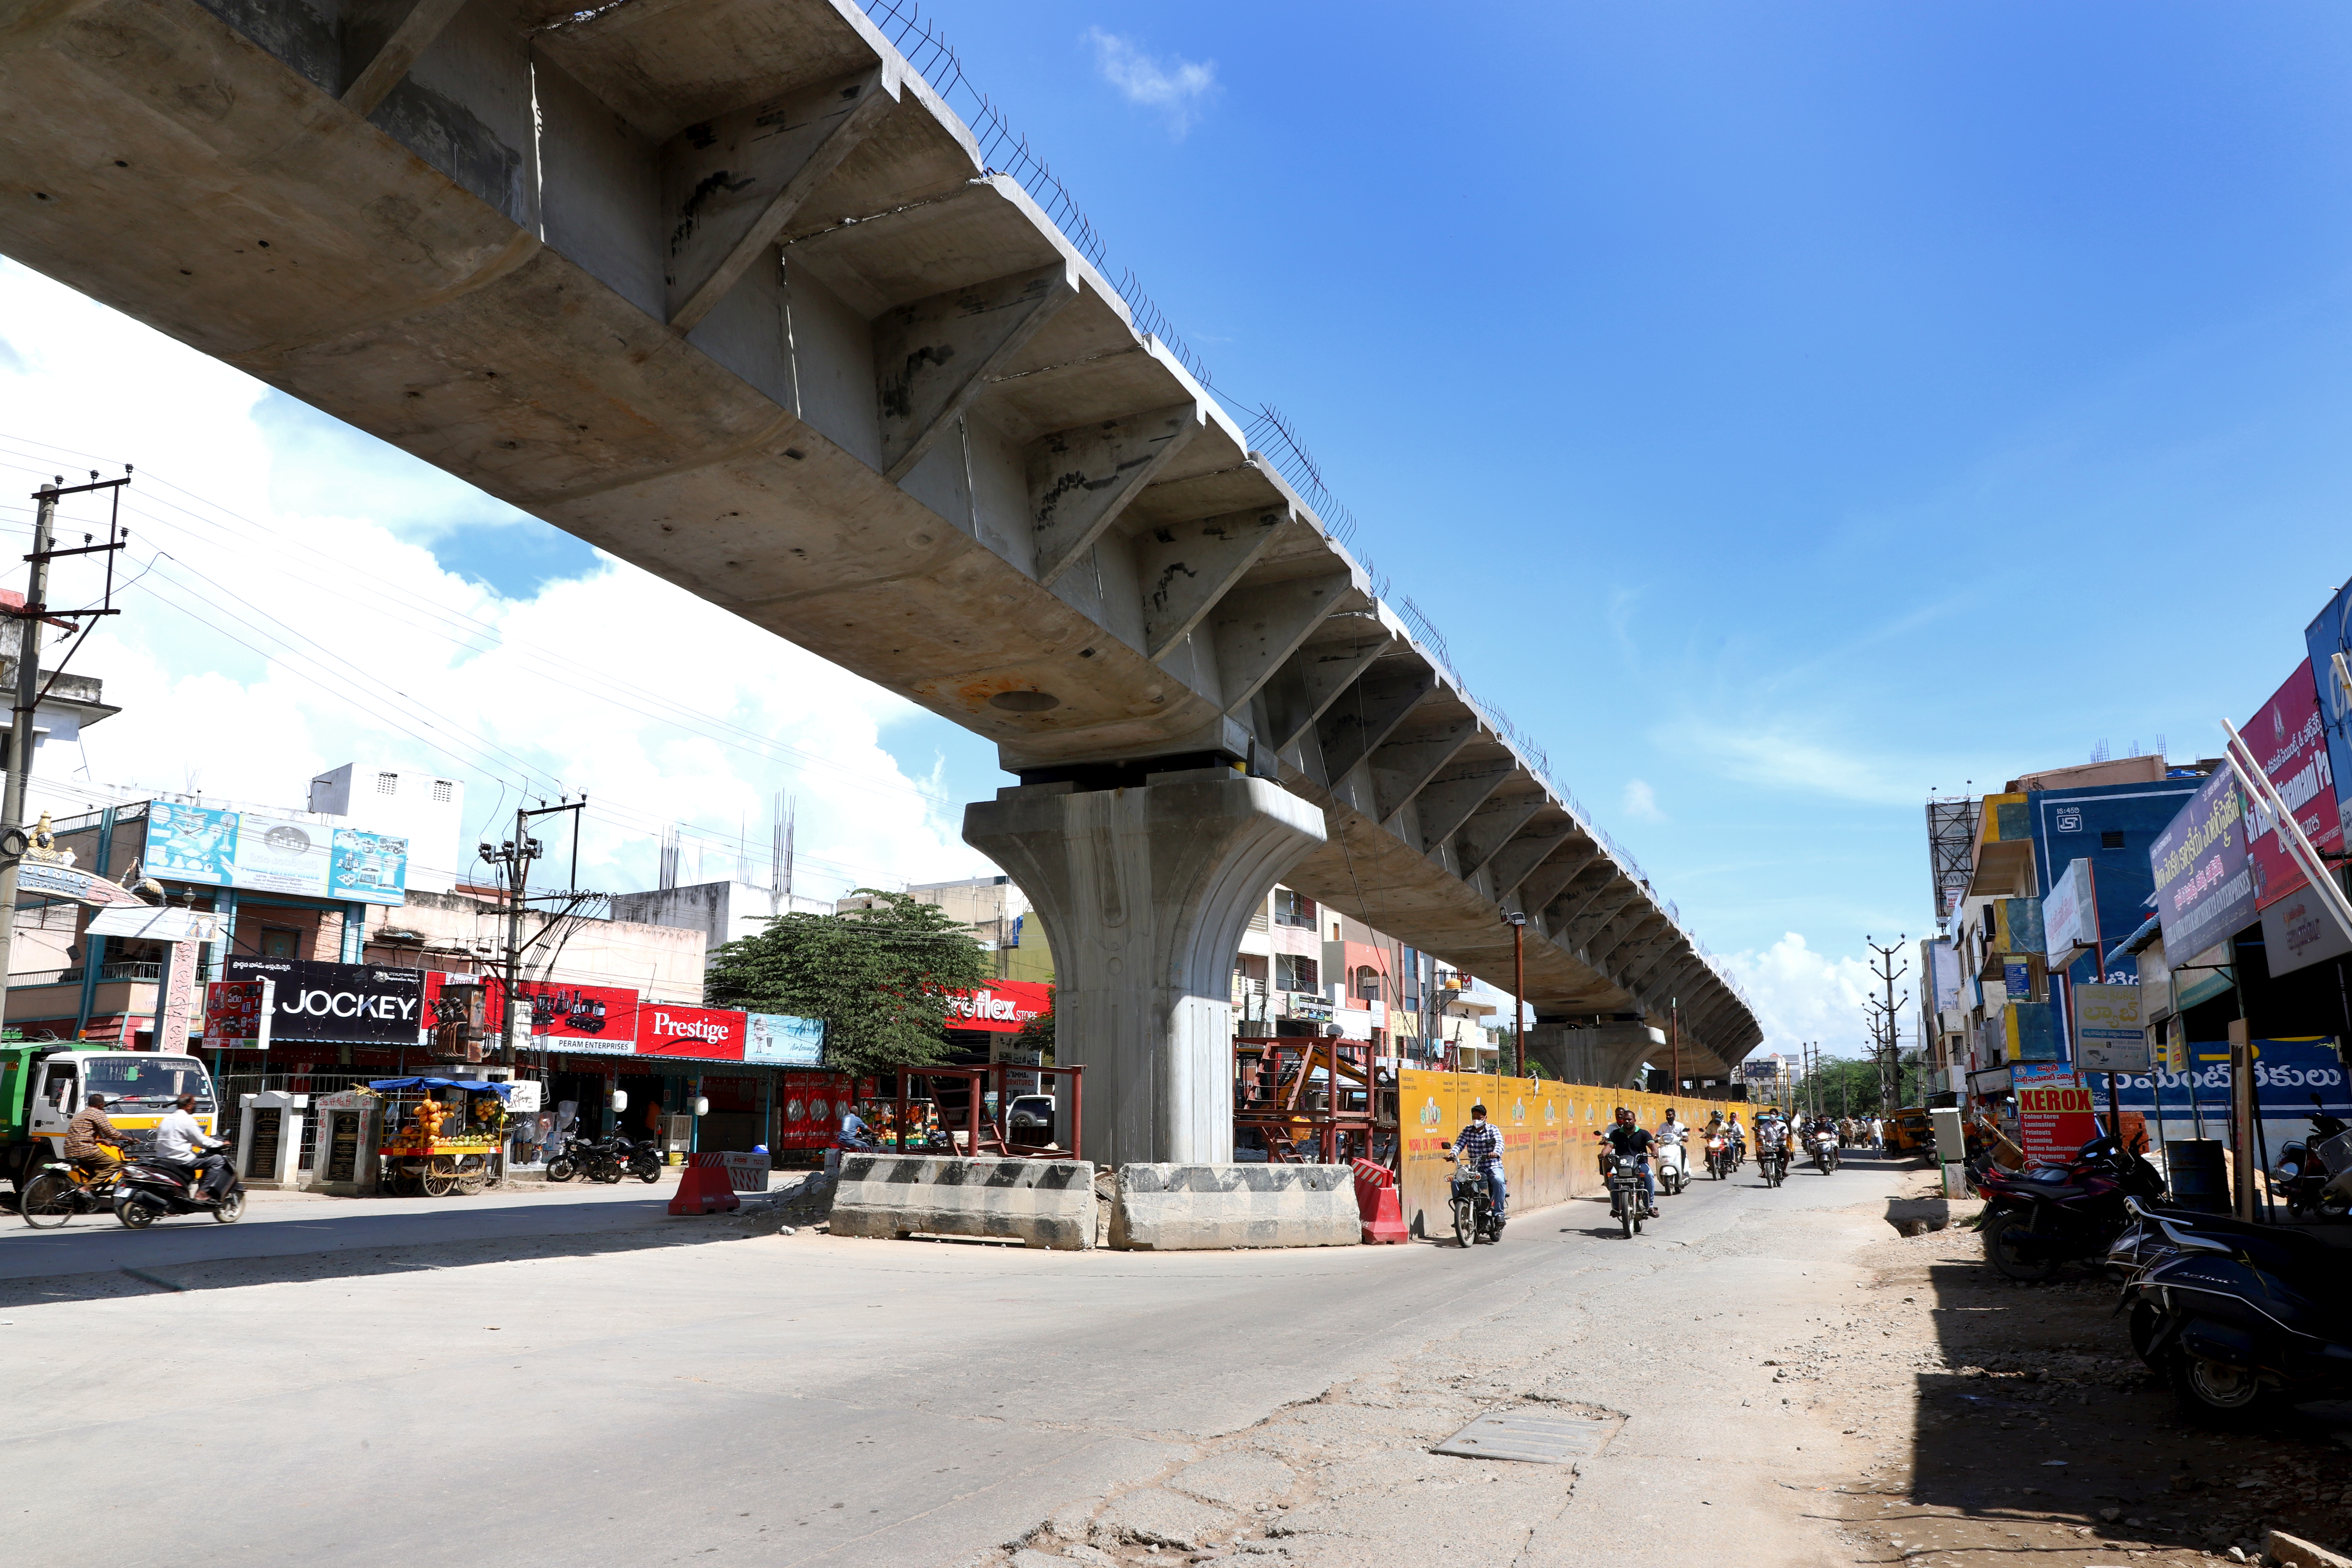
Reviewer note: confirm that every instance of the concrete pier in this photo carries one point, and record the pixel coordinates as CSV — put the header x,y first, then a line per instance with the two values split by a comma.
x,y
1145,891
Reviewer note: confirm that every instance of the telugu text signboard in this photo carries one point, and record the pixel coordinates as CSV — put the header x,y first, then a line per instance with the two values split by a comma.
x,y
2327,635
2108,1033
2204,877
2070,916
237,1015
2289,739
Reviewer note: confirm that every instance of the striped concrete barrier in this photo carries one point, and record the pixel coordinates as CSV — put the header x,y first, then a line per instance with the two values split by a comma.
x,y
1176,1208
1039,1203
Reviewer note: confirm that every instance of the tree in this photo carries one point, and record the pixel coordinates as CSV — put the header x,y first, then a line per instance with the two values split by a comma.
x,y
880,977
1037,1034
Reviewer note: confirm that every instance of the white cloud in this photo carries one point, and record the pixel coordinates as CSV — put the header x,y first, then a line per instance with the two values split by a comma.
x,y
1803,995
1177,89
296,618
1640,801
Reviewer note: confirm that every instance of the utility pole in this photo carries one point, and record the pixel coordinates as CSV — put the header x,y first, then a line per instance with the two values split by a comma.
x,y
1519,923
29,689
513,857
1887,1039
1675,1024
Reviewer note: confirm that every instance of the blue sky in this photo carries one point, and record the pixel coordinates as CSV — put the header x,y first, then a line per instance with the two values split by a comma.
x,y
1784,412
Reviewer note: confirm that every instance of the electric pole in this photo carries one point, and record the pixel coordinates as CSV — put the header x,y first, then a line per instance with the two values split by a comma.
x,y
30,690
1519,924
1888,1040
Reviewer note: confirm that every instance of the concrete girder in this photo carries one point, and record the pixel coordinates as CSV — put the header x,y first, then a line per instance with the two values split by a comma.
x,y
381,41
1571,901
731,185
1540,886
933,357
1369,712
1634,969
1527,848
1312,681
480,275
1185,568
1684,979
1492,826
1578,933
1446,802
1080,480
1624,936
1259,626
1403,765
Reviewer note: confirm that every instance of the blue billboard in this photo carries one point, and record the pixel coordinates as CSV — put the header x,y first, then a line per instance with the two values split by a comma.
x,y
2328,636
274,855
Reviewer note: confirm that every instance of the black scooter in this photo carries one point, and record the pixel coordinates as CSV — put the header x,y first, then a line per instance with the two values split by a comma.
x,y
2245,1326
2300,1178
147,1190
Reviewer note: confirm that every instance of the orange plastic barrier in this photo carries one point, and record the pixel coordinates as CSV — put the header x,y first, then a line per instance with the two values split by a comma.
x,y
704,1187
1376,1201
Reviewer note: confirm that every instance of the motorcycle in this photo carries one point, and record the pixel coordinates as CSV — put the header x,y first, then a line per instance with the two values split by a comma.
x,y
644,1161
1718,1155
599,1161
2034,1221
1474,1207
1626,1205
1673,1167
2304,1178
1825,1152
1772,1164
147,1190
2245,1327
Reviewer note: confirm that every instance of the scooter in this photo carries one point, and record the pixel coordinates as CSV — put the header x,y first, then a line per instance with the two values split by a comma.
x,y
2034,1221
145,1192
1825,1152
1672,1167
2307,1167
2245,1327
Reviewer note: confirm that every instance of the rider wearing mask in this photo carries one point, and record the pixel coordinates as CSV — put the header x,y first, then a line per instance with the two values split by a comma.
x,y
1482,1146
1671,1131
1635,1143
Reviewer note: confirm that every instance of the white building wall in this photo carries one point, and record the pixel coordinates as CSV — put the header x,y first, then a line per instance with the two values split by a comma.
x,y
427,809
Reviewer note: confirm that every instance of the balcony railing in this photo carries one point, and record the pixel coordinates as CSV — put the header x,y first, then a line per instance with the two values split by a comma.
x,y
126,971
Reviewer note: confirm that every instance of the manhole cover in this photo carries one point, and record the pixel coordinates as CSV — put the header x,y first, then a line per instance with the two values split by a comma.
x,y
1523,1434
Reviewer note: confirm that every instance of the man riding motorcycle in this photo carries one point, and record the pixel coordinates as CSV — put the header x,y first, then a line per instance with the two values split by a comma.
x,y
1738,1136
181,1144
1635,1143
1482,1146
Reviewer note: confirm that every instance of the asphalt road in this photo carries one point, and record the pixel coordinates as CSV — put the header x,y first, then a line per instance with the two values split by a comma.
x,y
547,1378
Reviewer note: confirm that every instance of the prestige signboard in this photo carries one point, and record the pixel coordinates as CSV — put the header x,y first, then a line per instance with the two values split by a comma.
x,y
339,1004
2204,875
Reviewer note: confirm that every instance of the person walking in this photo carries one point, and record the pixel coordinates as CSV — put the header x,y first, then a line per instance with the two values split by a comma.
x,y
1877,1136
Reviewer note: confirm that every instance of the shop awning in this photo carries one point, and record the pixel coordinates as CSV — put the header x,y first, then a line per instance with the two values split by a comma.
x,y
2137,942
505,1091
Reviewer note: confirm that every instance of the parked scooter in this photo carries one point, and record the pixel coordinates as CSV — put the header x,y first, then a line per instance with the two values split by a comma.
x,y
147,1190
2307,1168
2034,1221
2245,1326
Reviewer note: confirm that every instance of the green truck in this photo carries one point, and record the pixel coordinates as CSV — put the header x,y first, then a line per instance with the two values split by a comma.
x,y
43,1083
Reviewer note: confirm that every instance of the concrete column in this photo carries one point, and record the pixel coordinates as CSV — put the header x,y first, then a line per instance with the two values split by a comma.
x,y
1145,893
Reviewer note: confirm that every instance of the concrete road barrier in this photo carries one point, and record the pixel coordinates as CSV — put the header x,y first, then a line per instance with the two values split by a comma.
x,y
1173,1208
1039,1203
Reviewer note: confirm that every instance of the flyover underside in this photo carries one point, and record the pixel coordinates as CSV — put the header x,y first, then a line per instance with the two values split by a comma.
x,y
726,291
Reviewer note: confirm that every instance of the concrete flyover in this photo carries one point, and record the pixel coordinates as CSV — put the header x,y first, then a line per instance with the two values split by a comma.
x,y
726,290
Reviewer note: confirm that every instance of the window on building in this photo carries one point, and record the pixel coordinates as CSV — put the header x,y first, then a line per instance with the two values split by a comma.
x,y
279,944
2111,840
1368,983
1293,909
1294,972
444,790
387,783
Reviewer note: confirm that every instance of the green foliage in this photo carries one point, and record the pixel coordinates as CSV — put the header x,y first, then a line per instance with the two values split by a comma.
x,y
878,977
1037,1034
1841,1087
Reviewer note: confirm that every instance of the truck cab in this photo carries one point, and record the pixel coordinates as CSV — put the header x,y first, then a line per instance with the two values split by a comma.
x,y
43,1087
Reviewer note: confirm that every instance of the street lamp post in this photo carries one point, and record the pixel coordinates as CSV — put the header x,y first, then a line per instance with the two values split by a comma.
x,y
1519,924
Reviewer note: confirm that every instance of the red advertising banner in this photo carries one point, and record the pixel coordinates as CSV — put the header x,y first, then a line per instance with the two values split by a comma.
x,y
808,1109
592,1019
2289,738
706,1034
1002,1008
2055,1115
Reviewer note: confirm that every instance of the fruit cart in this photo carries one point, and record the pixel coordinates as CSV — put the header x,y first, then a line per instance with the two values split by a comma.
x,y
442,1135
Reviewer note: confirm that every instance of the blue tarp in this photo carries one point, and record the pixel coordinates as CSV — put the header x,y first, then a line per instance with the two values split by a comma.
x,y
505,1091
